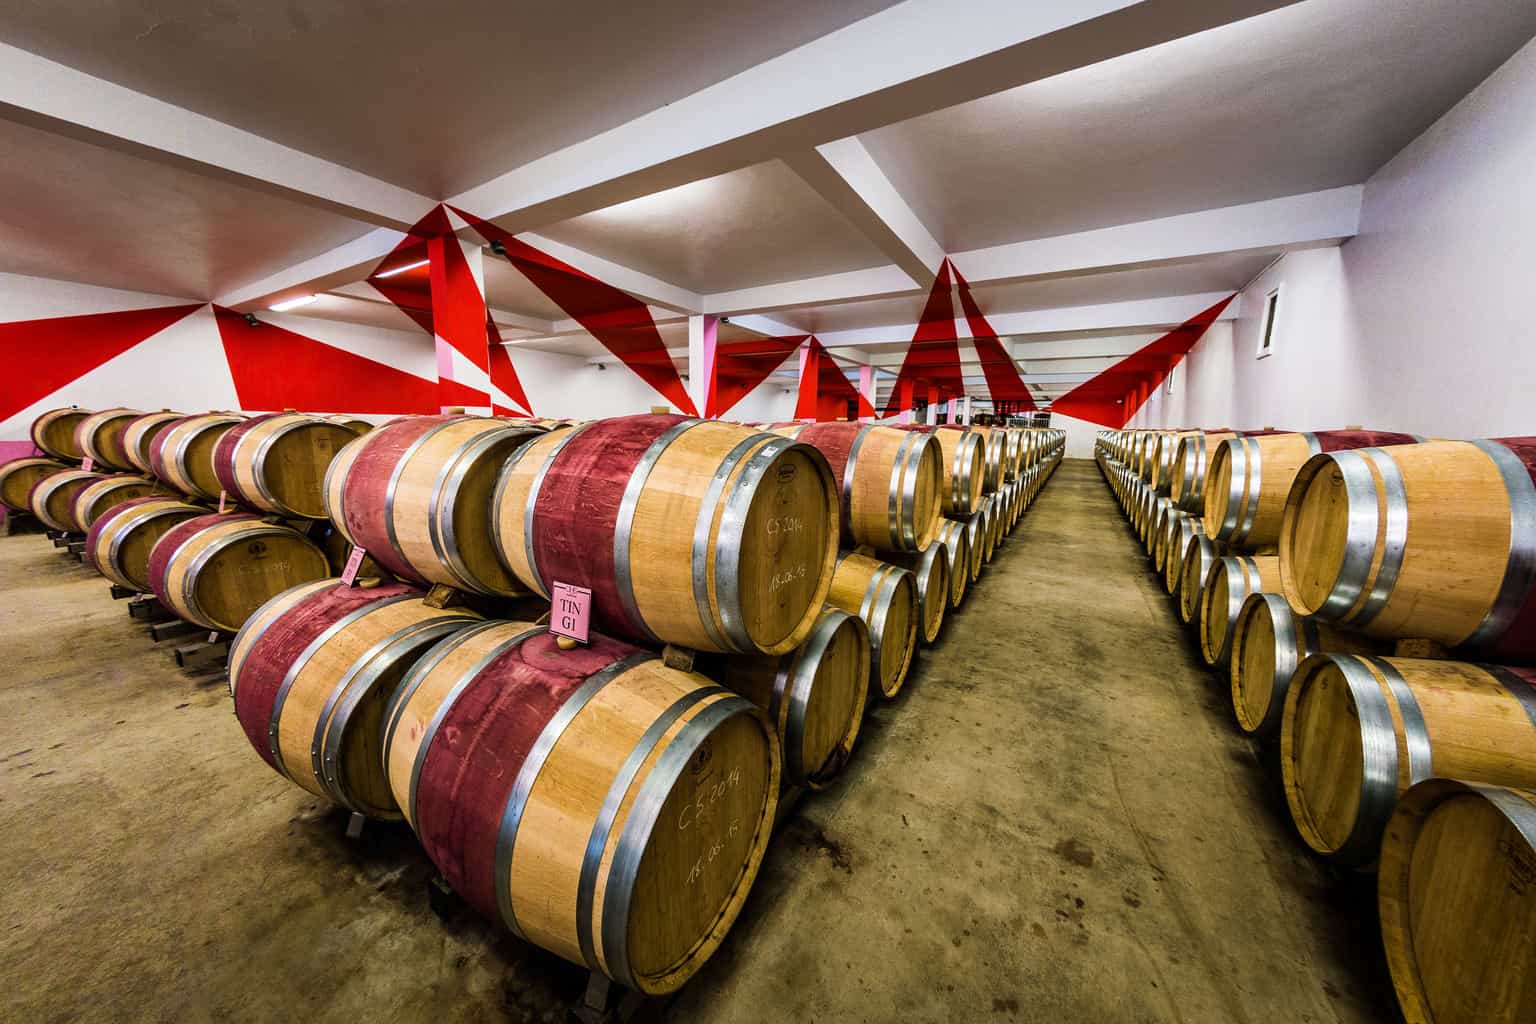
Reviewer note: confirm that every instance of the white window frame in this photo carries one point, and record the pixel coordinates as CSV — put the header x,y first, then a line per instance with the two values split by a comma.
x,y
1269,322
1172,372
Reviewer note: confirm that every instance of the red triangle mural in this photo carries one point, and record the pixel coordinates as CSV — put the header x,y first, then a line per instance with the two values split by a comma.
x,y
932,362
824,391
1113,396
740,366
42,356
1007,388
275,368
618,320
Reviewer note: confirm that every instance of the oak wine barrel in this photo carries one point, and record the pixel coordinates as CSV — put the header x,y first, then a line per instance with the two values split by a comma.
x,y
311,672
601,805
100,438
52,498
1269,641
953,536
1186,528
96,497
416,493
1358,731
139,436
1191,466
885,597
358,426
892,481
1457,898
694,532
815,695
930,574
19,476
277,462
994,449
182,453
215,570
975,543
984,524
1251,475
54,432
1227,586
1434,540
120,540
1199,556
963,459
1164,536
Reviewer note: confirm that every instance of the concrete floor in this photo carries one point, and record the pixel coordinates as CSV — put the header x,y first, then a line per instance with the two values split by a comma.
x,y
1055,822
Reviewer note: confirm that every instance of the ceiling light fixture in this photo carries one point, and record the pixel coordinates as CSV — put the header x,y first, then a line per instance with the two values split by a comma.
x,y
401,270
294,303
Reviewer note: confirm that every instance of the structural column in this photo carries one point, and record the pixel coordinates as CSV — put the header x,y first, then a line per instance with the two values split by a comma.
x,y
866,393
703,333
458,324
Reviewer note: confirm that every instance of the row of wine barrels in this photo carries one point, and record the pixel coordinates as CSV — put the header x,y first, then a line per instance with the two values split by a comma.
x,y
1434,540
52,499
815,695
19,476
99,437
277,462
885,597
1269,642
891,481
139,437
182,453
1457,899
1227,586
601,805
1250,477
930,575
54,433
1359,730
98,496
736,530
215,570
120,540
416,494
312,671
1186,481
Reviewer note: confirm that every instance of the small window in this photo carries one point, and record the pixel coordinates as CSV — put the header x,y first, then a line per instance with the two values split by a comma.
x,y
1172,372
1271,315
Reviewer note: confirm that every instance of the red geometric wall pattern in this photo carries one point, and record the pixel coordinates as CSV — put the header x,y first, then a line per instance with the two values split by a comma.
x,y
1114,395
740,366
932,362
824,391
42,356
1004,384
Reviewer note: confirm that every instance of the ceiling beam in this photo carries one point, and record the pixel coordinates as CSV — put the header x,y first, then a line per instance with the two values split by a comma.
x,y
57,98
845,174
343,265
1116,317
874,283
910,59
1309,220
642,286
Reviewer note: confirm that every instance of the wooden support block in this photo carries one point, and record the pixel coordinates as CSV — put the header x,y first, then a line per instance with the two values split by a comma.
x,y
680,658
443,596
76,547
172,630
120,593
201,653
1420,648
147,609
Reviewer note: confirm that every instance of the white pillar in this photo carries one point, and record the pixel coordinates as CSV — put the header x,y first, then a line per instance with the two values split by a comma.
x,y
702,333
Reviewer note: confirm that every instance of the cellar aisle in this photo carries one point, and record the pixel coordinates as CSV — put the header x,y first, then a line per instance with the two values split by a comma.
x,y
1081,837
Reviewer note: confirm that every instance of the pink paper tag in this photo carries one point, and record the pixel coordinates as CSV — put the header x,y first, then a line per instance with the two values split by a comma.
x,y
354,563
88,463
223,498
570,611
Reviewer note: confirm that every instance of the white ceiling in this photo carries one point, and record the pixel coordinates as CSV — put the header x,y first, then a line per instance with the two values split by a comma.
x,y
1305,98
432,96
759,225
79,212
436,98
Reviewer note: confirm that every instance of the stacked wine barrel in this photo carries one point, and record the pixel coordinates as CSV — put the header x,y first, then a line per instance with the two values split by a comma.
x,y
1372,598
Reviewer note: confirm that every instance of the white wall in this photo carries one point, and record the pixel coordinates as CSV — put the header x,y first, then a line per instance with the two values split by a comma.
x,y
1421,323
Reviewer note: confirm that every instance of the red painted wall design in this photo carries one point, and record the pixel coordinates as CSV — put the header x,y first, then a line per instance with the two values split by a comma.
x,y
1114,395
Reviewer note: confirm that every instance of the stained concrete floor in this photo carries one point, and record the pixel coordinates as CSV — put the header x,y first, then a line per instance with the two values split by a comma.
x,y
1054,822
